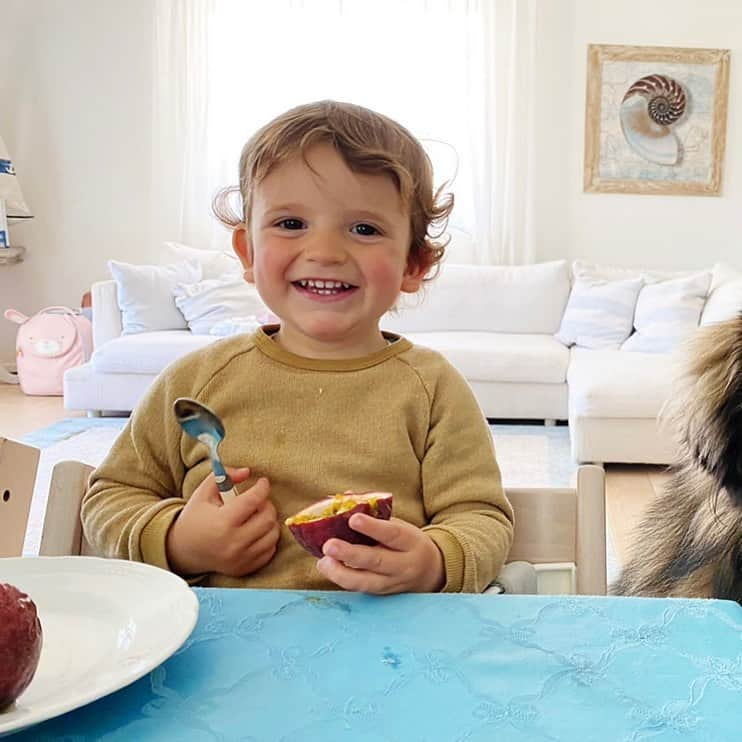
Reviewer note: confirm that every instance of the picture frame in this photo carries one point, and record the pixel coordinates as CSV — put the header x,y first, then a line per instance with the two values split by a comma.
x,y
655,119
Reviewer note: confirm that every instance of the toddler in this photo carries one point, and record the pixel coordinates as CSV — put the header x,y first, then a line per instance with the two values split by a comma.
x,y
338,217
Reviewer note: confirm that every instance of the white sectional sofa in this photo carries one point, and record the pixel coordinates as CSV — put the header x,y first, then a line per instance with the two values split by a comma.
x,y
496,324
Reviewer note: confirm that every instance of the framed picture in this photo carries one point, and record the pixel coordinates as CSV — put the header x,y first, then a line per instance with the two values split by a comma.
x,y
655,119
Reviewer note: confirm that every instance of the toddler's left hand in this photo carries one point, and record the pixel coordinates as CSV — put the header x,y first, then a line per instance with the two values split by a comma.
x,y
406,559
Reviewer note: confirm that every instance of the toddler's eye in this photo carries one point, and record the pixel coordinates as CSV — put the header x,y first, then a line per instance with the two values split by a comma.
x,y
365,230
291,224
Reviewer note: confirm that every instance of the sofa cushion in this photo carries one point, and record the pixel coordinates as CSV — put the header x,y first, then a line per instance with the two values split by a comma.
x,y
214,300
146,353
600,313
667,312
611,383
214,263
145,294
492,356
486,298
725,297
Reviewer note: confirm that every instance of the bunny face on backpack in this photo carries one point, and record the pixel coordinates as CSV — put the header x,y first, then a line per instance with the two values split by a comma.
x,y
50,342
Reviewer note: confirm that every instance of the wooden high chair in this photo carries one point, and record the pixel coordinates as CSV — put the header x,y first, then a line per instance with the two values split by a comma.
x,y
18,466
561,532
62,532
559,545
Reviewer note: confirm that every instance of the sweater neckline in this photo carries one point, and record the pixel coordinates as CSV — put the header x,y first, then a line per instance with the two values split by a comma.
x,y
267,346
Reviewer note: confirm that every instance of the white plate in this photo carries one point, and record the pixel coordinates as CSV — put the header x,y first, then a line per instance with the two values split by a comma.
x,y
106,623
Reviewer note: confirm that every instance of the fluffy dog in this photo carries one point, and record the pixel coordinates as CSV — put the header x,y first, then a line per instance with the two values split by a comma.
x,y
689,541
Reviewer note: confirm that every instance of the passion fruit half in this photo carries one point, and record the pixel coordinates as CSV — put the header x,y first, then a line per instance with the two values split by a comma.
x,y
328,518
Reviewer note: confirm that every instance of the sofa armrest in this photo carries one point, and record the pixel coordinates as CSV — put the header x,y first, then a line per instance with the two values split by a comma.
x,y
106,313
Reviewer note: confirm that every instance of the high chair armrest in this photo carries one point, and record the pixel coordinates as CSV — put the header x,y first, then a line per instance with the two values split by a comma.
x,y
515,578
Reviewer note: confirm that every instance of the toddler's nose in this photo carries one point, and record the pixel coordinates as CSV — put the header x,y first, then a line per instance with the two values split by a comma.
x,y
326,249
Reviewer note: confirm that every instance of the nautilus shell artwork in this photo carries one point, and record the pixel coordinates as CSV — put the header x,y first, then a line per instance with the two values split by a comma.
x,y
649,109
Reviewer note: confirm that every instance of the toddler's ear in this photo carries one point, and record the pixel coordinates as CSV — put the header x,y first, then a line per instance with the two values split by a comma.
x,y
243,248
412,278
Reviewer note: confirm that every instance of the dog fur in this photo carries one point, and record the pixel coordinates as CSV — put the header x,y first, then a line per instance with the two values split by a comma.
x,y
689,541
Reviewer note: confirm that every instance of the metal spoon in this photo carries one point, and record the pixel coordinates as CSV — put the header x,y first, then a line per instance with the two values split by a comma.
x,y
199,422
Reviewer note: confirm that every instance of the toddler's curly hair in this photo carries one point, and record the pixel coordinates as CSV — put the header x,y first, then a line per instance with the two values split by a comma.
x,y
369,143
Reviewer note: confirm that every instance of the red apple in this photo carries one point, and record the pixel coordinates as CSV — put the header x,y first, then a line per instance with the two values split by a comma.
x,y
20,643
329,517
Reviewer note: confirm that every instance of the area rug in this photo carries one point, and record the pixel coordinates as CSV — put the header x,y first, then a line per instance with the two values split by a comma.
x,y
528,455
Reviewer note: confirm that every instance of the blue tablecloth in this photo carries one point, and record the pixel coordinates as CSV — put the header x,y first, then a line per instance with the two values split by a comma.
x,y
288,665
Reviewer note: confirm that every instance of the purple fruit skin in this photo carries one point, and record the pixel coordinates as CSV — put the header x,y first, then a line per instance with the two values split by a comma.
x,y
20,643
313,534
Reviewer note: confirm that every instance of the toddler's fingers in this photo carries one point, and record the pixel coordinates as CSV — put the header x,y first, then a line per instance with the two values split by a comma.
x,y
266,542
357,580
208,491
369,558
238,474
260,522
242,507
392,533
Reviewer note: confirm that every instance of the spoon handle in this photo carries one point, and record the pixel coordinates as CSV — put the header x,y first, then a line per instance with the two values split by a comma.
x,y
223,480
226,487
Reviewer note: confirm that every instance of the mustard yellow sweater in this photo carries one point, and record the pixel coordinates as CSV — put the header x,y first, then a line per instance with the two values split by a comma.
x,y
401,420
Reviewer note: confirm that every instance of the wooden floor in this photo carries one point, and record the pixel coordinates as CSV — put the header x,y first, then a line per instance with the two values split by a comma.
x,y
628,488
20,414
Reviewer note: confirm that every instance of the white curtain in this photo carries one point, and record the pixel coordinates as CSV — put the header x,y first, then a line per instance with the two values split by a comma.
x,y
457,73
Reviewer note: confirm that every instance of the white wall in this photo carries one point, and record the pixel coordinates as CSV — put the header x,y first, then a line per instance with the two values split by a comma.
x,y
75,111
629,229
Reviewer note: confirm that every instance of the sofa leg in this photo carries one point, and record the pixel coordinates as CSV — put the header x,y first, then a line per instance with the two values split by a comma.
x,y
94,413
550,421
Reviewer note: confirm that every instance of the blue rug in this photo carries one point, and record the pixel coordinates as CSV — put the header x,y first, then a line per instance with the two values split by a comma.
x,y
534,455
70,427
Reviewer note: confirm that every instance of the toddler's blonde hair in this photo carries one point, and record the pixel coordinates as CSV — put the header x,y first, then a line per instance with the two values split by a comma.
x,y
369,143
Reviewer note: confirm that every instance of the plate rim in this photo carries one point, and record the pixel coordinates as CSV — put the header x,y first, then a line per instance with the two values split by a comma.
x,y
10,725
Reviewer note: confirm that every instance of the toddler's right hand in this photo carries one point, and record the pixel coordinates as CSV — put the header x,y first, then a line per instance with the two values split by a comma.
x,y
233,538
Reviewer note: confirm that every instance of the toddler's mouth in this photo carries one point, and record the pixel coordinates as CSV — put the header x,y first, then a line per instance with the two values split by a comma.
x,y
323,287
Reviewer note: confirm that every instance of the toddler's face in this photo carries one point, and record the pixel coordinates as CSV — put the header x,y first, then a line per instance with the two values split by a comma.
x,y
329,253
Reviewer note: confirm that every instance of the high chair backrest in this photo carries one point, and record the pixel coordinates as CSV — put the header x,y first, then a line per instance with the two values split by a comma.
x,y
18,465
561,531
62,533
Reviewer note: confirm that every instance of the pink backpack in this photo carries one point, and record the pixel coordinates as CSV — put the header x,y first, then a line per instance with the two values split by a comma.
x,y
50,342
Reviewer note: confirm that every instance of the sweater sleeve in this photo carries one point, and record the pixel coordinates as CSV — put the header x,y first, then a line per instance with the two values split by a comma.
x,y
134,496
470,518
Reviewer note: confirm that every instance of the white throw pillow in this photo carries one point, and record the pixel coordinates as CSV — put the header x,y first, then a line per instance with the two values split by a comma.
x,y
723,273
725,299
214,263
241,325
206,303
667,312
599,314
486,298
145,294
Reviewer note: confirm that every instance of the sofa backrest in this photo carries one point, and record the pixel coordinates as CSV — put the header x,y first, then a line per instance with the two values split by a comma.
x,y
486,298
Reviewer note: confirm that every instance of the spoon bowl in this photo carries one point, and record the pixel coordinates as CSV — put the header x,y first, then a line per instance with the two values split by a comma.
x,y
204,425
